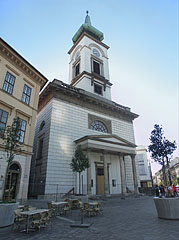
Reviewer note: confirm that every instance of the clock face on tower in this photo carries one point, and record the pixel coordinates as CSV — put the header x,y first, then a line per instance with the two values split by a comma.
x,y
96,52
77,55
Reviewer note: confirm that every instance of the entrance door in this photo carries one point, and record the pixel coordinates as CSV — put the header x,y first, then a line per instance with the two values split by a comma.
x,y
12,184
100,180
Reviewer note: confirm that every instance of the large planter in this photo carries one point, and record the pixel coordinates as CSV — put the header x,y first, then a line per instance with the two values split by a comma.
x,y
7,213
167,208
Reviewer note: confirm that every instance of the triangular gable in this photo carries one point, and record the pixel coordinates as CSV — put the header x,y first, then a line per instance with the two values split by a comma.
x,y
108,139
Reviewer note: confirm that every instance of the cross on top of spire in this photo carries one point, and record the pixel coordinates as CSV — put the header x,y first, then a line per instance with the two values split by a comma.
x,y
89,29
87,19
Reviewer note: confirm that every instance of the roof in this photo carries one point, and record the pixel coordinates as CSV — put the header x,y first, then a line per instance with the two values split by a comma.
x,y
88,28
22,62
61,90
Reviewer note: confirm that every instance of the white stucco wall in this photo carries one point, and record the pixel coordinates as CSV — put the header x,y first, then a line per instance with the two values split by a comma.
x,y
142,162
69,122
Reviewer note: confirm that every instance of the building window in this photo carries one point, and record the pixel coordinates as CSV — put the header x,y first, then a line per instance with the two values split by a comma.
x,y
26,94
96,67
42,125
77,69
98,89
98,126
100,171
22,129
8,83
40,148
3,120
113,182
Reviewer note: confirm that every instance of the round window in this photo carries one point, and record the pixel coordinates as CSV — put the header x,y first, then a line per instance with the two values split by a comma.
x,y
98,126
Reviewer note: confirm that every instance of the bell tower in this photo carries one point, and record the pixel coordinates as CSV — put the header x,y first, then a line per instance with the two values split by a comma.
x,y
88,67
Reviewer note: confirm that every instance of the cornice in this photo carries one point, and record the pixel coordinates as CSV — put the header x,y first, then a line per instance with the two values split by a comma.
x,y
59,90
89,36
92,76
17,60
18,100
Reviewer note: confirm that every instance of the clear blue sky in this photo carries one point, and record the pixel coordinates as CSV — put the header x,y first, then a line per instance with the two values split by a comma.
x,y
143,54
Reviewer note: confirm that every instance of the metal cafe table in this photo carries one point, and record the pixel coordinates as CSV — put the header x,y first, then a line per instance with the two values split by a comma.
x,y
58,205
30,214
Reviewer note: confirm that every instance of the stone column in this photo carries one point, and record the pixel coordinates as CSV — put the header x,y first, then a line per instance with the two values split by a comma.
x,y
106,180
89,173
134,174
122,171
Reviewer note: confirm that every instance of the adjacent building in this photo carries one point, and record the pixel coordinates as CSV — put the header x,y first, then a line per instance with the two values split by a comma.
x,y
83,113
144,169
174,170
20,84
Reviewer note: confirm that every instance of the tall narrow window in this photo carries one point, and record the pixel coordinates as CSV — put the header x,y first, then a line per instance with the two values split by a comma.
x,y
22,129
96,67
3,120
8,83
26,94
77,69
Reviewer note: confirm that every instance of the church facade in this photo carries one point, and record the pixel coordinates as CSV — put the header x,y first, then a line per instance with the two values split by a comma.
x,y
82,113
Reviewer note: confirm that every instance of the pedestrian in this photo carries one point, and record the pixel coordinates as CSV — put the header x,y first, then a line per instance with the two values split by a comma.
x,y
157,190
170,194
162,190
174,190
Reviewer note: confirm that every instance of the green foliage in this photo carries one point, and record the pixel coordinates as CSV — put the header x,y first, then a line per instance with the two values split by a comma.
x,y
11,143
161,149
79,161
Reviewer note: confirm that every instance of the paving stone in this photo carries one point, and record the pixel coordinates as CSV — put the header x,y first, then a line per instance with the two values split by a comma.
x,y
132,218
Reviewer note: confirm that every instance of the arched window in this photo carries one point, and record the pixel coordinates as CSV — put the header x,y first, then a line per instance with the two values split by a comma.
x,y
42,125
98,126
14,167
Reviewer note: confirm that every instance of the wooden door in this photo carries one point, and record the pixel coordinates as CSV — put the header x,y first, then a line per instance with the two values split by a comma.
x,y
100,180
100,185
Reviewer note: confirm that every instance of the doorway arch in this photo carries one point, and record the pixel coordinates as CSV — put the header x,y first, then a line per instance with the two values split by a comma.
x,y
13,181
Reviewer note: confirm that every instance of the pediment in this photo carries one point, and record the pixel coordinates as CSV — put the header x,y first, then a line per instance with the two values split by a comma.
x,y
111,139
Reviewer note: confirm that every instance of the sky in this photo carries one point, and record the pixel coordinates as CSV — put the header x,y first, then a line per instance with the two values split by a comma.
x,y
143,54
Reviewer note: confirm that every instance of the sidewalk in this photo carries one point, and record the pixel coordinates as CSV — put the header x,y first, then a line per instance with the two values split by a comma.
x,y
132,218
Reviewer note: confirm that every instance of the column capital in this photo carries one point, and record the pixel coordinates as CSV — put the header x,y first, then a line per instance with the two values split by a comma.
x,y
121,154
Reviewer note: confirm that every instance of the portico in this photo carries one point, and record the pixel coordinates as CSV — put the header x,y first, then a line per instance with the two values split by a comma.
x,y
108,171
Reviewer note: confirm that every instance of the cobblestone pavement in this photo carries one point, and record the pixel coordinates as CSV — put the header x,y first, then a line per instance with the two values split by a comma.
x,y
129,219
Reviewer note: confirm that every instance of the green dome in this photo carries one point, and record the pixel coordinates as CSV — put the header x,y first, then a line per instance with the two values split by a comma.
x,y
88,28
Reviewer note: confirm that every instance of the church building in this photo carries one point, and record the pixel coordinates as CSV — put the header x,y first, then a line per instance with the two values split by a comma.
x,y
83,113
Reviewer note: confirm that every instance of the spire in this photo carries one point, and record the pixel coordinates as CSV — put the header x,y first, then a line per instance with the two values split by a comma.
x,y
87,19
89,29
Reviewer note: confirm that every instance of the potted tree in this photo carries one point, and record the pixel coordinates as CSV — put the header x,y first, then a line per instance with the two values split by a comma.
x,y
161,150
11,145
79,163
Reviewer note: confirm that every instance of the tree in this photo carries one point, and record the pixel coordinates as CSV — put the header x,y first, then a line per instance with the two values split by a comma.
x,y
79,163
161,151
12,146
